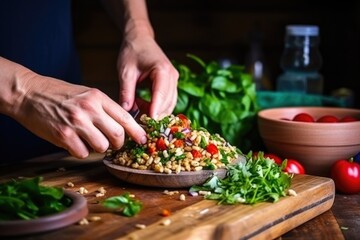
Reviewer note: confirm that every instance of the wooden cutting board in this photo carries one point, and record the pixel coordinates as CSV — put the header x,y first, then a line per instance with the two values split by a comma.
x,y
194,218
208,220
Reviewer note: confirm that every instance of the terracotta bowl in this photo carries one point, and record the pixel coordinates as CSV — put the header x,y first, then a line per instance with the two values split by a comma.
x,y
316,145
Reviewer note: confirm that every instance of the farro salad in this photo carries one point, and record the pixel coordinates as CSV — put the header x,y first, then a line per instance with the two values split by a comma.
x,y
173,146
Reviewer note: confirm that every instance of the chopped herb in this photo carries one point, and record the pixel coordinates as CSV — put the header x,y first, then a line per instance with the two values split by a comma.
x,y
250,182
129,206
179,135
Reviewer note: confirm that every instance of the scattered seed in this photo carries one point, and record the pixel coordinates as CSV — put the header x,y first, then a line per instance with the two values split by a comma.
x,y
166,222
140,226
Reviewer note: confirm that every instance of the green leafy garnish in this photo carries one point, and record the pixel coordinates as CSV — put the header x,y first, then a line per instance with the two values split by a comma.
x,y
254,181
27,199
129,206
222,100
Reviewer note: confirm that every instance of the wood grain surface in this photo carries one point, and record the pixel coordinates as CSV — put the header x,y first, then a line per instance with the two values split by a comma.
x,y
193,218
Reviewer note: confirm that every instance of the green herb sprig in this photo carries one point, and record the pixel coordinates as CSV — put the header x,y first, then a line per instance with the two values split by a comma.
x,y
256,180
128,205
27,199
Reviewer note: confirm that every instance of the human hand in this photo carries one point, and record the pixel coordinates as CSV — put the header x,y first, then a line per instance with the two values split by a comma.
x,y
141,59
73,117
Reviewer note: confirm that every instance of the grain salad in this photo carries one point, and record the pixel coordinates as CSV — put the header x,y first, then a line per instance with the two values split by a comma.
x,y
173,146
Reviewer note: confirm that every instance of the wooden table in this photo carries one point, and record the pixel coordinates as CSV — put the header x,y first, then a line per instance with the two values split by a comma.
x,y
342,221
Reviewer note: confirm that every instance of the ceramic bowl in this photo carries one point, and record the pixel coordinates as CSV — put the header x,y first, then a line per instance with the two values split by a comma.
x,y
316,145
77,211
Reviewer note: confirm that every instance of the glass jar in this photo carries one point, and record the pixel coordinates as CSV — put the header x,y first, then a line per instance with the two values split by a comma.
x,y
301,61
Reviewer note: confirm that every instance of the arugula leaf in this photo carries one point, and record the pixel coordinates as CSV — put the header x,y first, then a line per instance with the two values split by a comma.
x,y
250,182
130,207
27,199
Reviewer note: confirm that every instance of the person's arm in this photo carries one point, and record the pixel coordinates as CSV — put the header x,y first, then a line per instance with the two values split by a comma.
x,y
70,116
141,59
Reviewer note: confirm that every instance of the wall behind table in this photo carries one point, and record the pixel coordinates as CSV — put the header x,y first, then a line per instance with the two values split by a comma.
x,y
220,29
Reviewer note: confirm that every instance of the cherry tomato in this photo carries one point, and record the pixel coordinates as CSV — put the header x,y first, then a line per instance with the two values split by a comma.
x,y
346,175
273,157
348,119
184,119
212,149
303,117
293,166
328,119
160,144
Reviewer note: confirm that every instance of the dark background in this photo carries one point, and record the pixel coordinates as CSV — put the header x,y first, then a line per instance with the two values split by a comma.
x,y
215,30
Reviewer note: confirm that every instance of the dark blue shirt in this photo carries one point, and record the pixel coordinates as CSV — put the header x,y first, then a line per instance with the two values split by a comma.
x,y
38,35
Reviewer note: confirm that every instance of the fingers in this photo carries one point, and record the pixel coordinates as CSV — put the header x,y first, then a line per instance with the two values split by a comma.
x,y
98,124
164,92
127,88
123,119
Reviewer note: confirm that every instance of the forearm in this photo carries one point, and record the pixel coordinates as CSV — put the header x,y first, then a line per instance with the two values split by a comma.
x,y
131,16
13,80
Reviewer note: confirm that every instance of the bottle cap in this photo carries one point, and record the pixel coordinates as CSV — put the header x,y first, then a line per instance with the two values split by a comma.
x,y
302,30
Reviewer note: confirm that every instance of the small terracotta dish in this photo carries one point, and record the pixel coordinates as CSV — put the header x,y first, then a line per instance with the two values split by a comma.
x,y
316,145
77,211
173,180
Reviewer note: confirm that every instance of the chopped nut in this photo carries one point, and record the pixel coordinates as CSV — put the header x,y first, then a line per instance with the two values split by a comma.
x,y
99,195
140,226
167,192
84,221
182,197
95,218
70,184
292,192
83,190
101,190
166,222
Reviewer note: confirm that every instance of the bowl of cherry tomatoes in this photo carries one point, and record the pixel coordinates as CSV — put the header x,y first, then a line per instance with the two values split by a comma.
x,y
316,136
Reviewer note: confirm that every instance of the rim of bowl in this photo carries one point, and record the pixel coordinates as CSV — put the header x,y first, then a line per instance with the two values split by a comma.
x,y
264,114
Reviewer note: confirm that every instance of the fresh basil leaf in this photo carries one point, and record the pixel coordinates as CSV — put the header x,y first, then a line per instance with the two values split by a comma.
x,y
27,199
192,89
223,84
129,205
182,101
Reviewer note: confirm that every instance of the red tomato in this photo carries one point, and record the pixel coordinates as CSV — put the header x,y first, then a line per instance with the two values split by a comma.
x,y
179,143
212,149
174,129
152,149
184,119
160,144
328,119
303,117
196,154
348,119
273,157
346,175
165,213
293,166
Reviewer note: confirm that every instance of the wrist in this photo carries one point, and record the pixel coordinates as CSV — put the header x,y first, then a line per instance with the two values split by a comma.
x,y
14,81
135,28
